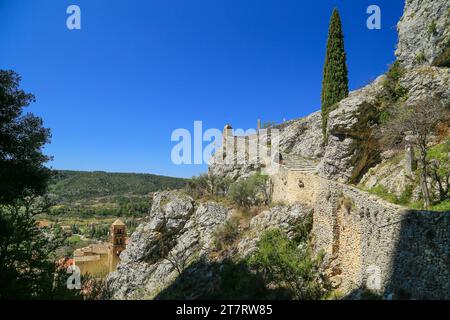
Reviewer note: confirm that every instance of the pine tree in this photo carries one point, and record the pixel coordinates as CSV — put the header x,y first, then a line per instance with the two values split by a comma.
x,y
335,77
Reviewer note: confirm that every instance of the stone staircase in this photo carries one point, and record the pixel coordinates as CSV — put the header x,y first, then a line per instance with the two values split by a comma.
x,y
298,163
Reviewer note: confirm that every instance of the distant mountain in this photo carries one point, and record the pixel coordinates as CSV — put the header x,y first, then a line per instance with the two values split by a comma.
x,y
69,187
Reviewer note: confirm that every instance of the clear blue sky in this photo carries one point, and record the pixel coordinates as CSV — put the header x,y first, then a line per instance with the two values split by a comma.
x,y
113,92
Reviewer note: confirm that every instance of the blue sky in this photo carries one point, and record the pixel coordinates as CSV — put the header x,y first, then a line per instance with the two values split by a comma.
x,y
114,91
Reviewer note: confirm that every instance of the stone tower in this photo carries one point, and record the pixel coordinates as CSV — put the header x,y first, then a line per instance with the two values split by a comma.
x,y
117,234
227,141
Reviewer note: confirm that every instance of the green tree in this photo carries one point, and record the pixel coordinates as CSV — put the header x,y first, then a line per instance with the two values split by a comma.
x,y
27,261
335,74
286,263
250,191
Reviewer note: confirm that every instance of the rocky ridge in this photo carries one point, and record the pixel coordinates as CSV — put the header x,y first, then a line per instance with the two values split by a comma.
x,y
179,233
424,32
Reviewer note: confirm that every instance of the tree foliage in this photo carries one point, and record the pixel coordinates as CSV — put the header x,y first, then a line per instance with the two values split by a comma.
x,y
416,124
208,185
286,263
22,137
335,73
250,191
77,186
27,266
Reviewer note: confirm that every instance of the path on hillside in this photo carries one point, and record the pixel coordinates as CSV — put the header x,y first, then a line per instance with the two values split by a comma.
x,y
298,163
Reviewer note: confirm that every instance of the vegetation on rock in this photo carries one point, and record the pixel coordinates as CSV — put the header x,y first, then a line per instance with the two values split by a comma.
x,y
250,191
208,185
289,264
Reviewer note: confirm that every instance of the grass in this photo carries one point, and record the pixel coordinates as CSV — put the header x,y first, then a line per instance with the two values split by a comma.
x,y
443,206
383,193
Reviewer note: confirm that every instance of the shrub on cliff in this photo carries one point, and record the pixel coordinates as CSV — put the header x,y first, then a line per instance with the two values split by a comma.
x,y
287,264
335,74
393,90
417,123
226,235
208,185
250,191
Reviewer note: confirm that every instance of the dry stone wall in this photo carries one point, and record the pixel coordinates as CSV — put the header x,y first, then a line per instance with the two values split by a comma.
x,y
371,243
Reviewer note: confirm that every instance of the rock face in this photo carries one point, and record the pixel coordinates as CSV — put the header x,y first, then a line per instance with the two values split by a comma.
x,y
349,147
283,217
424,31
180,233
303,137
176,233
426,81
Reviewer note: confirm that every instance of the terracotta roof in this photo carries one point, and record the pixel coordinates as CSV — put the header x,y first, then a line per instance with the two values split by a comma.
x,y
44,223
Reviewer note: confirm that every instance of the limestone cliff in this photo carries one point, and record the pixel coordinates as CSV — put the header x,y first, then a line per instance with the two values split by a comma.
x,y
351,149
424,32
180,233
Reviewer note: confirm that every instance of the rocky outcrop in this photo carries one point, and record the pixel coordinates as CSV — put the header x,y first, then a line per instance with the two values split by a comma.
x,y
300,137
350,148
303,137
424,32
177,233
283,217
426,81
180,233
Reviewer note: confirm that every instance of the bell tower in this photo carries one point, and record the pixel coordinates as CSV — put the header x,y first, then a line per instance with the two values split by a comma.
x,y
117,236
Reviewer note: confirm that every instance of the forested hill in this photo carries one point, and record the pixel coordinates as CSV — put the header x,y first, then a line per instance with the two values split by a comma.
x,y
81,186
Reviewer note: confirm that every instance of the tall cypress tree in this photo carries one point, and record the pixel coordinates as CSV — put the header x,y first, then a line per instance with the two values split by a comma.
x,y
335,77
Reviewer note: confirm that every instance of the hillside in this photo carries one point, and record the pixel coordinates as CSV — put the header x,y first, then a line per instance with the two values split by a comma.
x,y
341,218
102,191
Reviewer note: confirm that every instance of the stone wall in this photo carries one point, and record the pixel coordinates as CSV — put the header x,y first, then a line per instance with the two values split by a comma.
x,y
369,242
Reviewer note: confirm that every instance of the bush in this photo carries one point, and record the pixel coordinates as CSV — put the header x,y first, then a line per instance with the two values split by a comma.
x,y
393,90
443,60
208,185
432,28
284,263
439,159
250,191
420,58
226,234
405,197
